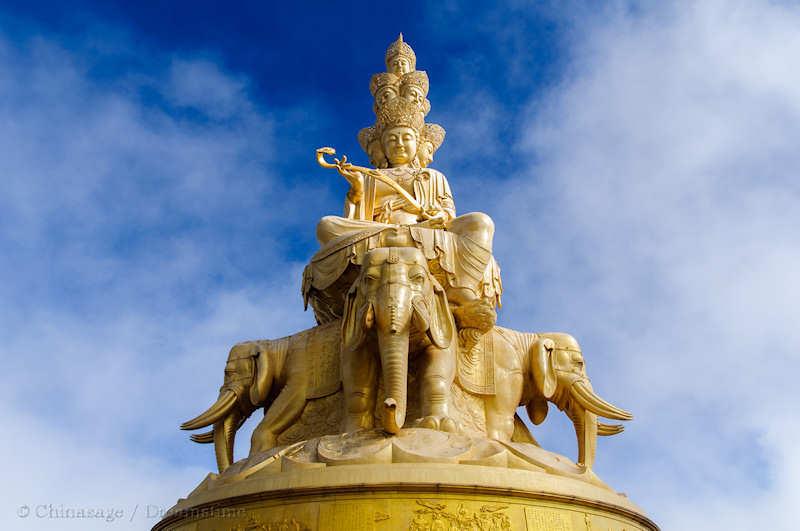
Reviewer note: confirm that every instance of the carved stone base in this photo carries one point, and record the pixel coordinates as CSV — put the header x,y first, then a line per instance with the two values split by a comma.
x,y
420,479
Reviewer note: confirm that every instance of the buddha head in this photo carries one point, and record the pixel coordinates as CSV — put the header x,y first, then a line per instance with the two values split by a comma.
x,y
399,126
399,144
400,136
432,137
425,153
400,58
371,143
414,88
413,94
384,86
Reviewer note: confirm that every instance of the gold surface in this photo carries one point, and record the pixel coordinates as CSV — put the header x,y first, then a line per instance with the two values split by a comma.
x,y
398,410
406,496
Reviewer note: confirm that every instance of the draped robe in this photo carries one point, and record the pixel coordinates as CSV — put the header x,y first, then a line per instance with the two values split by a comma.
x,y
458,255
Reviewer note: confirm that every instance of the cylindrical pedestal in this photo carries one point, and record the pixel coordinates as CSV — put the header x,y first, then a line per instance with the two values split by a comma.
x,y
412,496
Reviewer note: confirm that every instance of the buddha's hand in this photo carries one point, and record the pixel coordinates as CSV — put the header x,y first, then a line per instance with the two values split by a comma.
x,y
346,170
356,180
356,192
434,219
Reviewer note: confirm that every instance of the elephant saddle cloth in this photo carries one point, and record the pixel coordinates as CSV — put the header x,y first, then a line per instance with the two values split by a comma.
x,y
475,367
455,260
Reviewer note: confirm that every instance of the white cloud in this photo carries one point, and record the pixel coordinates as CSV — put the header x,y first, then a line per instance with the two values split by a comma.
x,y
132,210
59,473
200,84
660,227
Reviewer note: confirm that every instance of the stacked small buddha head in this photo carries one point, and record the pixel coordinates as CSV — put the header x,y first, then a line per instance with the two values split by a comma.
x,y
400,101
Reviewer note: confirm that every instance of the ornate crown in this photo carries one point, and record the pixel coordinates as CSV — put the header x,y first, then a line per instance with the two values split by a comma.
x,y
417,78
399,112
383,79
402,49
365,137
433,133
400,108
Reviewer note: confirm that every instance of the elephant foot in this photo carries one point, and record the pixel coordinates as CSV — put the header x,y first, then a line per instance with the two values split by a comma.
x,y
357,421
262,440
440,423
499,435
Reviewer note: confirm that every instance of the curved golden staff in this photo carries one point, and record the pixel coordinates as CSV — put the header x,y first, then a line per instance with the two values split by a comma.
x,y
348,171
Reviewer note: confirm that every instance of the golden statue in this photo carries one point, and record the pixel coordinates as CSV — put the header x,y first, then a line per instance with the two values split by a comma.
x,y
399,409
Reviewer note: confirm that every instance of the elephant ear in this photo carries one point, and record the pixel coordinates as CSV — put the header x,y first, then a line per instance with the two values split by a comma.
x,y
262,378
544,375
537,409
442,326
355,317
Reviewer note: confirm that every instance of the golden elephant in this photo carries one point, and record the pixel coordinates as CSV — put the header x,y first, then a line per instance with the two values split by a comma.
x,y
281,376
394,310
532,370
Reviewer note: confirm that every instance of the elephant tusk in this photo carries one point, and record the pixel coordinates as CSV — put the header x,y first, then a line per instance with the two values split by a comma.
x,y
203,438
588,399
212,414
609,429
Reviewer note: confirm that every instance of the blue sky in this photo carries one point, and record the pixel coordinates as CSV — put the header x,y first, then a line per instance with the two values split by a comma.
x,y
159,199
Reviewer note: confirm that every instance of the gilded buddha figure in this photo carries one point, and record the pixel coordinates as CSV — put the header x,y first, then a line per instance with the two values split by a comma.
x,y
405,383
415,209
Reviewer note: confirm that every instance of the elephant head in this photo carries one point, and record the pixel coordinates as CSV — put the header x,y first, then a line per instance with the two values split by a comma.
x,y
245,388
559,375
396,300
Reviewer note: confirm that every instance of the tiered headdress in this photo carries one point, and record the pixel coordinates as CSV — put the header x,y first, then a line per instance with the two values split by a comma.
x,y
402,50
400,97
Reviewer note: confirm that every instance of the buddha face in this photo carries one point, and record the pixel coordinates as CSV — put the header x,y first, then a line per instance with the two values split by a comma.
x,y
385,94
412,93
399,145
399,65
425,154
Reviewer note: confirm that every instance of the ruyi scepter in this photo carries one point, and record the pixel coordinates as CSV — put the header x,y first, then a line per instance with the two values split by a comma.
x,y
351,173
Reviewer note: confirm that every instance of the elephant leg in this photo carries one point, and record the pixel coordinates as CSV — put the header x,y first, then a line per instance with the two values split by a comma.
x,y
282,413
437,374
359,375
500,408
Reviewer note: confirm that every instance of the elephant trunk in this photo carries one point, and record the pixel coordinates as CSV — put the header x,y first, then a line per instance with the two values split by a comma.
x,y
224,439
394,363
395,308
393,319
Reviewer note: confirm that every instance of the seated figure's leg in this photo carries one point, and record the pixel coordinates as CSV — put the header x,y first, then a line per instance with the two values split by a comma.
x,y
474,313
328,228
476,226
331,227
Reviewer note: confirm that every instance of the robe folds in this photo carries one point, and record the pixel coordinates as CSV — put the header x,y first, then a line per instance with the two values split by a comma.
x,y
457,259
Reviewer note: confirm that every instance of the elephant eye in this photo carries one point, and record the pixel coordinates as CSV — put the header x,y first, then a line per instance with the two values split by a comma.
x,y
416,274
